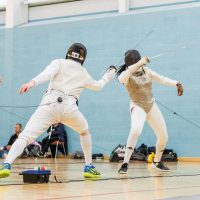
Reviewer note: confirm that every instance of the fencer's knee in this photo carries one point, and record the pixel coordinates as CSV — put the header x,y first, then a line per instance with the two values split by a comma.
x,y
162,140
136,131
165,139
84,133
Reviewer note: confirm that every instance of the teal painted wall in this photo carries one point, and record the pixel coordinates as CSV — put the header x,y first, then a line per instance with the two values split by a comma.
x,y
25,51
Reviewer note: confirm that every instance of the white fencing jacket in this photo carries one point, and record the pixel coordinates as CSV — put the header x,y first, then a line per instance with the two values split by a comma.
x,y
71,77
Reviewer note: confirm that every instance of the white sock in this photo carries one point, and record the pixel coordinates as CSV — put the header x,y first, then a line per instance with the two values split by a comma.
x,y
86,144
159,152
131,143
16,150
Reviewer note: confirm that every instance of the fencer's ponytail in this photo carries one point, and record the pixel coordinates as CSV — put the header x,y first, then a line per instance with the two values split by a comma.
x,y
130,57
121,69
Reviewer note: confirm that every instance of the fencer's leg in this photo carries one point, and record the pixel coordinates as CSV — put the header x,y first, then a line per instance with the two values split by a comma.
x,y
157,123
86,144
17,149
138,118
38,123
75,120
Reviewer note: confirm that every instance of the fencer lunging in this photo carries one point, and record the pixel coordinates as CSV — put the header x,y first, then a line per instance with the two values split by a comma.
x,y
68,78
137,78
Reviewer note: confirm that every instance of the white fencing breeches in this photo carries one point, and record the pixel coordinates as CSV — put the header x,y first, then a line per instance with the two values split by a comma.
x,y
156,121
49,112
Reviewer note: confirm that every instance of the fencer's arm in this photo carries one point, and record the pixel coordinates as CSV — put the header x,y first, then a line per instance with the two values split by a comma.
x,y
1,80
167,81
98,85
125,75
48,74
162,79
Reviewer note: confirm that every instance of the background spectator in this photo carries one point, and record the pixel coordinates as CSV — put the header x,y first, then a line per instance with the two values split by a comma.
x,y
6,148
18,130
56,132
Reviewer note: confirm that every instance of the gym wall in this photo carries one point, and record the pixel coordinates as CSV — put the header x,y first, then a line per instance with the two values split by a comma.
x,y
27,50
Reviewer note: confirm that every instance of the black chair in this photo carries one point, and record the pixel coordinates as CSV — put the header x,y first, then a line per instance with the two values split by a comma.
x,y
57,145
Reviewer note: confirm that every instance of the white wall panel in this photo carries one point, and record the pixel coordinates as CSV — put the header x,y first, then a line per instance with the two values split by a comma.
x,y
143,3
71,8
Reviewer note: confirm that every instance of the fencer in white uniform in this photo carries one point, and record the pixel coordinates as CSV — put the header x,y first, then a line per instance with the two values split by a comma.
x,y
68,78
137,78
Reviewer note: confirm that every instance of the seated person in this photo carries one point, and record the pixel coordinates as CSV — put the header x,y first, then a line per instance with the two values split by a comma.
x,y
56,132
18,130
31,150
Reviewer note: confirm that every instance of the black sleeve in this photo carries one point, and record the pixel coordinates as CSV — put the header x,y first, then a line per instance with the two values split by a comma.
x,y
11,140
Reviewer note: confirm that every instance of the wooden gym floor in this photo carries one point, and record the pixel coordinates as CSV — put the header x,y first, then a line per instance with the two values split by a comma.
x,y
141,183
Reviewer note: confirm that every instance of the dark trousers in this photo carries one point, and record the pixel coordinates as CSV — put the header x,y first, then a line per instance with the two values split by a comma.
x,y
46,143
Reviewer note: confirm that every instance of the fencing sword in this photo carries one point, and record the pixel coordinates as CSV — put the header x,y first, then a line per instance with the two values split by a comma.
x,y
166,53
136,45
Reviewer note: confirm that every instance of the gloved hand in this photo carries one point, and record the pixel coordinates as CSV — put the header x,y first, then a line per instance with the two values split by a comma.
x,y
112,67
144,60
26,87
179,89
110,73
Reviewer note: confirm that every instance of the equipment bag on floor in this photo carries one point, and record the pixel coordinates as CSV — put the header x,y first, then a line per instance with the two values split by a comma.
x,y
168,154
77,155
32,150
118,153
140,153
98,156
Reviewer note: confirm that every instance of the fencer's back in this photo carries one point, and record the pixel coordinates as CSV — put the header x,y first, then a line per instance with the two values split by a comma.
x,y
70,79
